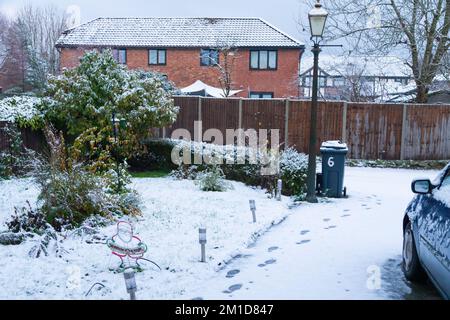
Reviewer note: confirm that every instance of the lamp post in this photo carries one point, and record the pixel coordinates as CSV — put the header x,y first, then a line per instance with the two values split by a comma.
x,y
317,18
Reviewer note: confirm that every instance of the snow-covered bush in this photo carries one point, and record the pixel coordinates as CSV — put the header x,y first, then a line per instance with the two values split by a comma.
x,y
89,95
212,179
292,164
23,110
27,219
188,172
70,193
293,172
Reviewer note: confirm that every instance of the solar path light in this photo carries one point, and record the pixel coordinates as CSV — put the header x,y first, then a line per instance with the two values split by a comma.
x,y
253,209
202,240
130,283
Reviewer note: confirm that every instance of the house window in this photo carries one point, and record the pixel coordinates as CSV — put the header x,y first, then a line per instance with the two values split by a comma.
x,y
338,82
209,57
322,81
157,56
263,59
120,55
261,95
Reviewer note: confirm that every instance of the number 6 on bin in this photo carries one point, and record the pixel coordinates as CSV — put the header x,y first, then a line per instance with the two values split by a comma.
x,y
331,162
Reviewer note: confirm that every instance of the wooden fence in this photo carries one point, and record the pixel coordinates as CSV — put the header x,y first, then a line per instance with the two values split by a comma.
x,y
31,139
372,131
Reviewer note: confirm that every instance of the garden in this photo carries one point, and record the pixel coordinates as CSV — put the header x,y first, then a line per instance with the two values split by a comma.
x,y
61,206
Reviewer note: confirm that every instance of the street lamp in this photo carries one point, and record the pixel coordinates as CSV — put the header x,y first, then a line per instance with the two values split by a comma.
x,y
317,18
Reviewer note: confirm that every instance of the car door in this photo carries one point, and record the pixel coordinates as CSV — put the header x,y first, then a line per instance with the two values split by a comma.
x,y
434,233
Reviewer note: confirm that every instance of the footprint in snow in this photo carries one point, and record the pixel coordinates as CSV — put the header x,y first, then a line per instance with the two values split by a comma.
x,y
326,219
303,232
330,227
304,241
232,273
272,249
233,288
197,298
271,261
261,265
345,215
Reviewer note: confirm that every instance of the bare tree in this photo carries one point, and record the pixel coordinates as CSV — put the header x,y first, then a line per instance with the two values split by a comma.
x,y
12,57
418,27
354,85
4,25
225,61
38,29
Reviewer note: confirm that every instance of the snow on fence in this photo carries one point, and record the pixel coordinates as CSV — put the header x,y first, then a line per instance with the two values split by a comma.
x,y
371,130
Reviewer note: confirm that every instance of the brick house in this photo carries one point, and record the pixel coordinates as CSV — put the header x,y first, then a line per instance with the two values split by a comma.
x,y
265,60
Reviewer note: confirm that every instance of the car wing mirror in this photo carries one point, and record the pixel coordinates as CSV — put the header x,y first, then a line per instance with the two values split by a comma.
x,y
421,186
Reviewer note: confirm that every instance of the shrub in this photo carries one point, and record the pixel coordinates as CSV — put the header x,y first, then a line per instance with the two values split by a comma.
x,y
293,172
83,100
27,220
22,110
212,179
292,164
70,193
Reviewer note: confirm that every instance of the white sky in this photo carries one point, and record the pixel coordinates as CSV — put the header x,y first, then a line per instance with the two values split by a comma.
x,y
282,13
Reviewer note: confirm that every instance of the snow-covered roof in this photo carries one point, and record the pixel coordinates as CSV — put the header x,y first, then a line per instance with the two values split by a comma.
x,y
199,86
177,32
370,66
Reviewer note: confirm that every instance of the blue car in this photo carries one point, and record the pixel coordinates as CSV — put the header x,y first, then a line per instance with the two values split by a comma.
x,y
426,232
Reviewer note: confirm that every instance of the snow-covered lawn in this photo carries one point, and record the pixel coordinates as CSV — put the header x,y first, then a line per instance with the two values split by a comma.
x,y
174,210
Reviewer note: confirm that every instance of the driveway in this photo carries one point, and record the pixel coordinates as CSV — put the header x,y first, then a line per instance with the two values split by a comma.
x,y
338,249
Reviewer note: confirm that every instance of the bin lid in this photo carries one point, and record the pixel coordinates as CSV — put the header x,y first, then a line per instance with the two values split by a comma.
x,y
333,145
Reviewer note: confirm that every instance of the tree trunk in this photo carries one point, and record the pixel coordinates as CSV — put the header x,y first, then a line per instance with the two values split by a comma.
x,y
422,94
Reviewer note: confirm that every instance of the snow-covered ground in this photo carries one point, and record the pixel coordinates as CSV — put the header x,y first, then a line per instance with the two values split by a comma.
x,y
341,249
174,210
338,249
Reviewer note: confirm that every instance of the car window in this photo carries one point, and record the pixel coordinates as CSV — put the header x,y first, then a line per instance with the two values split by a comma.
x,y
446,181
443,193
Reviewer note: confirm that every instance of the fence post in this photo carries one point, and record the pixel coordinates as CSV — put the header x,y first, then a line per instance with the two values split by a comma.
x,y
402,141
240,114
200,108
286,125
344,122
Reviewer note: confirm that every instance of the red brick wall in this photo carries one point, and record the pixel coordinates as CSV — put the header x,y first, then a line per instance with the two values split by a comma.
x,y
183,68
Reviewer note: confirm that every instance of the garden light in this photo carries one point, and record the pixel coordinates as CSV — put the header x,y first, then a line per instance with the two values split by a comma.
x,y
279,187
253,209
130,283
202,240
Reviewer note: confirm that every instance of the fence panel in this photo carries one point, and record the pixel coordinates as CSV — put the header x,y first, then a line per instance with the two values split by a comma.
x,y
220,114
264,114
189,112
374,131
427,132
32,139
329,123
